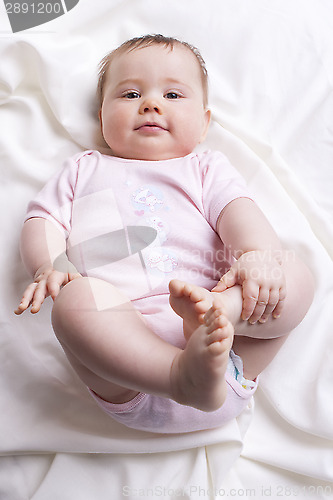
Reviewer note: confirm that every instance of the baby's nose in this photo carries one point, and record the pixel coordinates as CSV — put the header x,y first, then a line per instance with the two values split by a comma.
x,y
151,104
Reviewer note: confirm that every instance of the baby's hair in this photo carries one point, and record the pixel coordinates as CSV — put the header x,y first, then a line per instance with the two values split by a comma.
x,y
147,41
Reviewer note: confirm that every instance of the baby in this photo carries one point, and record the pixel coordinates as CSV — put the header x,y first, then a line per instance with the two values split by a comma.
x,y
117,239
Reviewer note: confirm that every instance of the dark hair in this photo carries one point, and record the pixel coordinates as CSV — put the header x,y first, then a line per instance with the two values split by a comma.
x,y
146,41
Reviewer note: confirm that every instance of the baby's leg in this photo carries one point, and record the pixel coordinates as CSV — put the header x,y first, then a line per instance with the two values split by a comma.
x,y
258,343
117,355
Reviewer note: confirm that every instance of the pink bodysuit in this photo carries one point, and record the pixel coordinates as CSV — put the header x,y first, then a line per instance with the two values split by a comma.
x,y
151,221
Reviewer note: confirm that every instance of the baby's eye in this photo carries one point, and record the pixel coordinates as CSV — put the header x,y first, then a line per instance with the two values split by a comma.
x,y
132,95
172,95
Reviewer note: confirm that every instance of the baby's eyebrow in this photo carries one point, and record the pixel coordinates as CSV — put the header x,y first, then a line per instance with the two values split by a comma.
x,y
177,82
188,88
137,82
128,81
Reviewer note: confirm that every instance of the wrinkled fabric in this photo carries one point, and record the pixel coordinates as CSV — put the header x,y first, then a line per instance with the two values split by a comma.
x,y
271,75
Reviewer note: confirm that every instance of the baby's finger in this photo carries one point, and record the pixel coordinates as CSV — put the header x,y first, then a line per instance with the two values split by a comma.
x,y
278,309
219,287
229,279
74,276
39,297
58,279
250,299
260,307
23,306
53,287
279,306
271,305
26,298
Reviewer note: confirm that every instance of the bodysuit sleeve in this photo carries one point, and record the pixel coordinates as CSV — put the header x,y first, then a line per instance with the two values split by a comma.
x,y
54,201
221,184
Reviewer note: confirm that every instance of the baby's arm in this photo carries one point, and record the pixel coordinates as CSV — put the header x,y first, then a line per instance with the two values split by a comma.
x,y
246,232
43,250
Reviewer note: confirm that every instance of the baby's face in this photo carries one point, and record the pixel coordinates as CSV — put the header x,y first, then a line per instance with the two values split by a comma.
x,y
153,106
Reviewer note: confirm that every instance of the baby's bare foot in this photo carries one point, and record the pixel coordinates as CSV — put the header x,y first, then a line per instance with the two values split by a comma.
x,y
198,372
191,302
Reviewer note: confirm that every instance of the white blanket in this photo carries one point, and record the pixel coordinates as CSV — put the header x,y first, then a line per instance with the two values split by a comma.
x,y
271,75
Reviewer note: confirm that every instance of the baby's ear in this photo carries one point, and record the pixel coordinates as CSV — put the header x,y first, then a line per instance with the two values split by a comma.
x,y
100,120
207,118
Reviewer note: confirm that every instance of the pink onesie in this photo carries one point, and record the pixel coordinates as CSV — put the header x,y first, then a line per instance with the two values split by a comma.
x,y
151,221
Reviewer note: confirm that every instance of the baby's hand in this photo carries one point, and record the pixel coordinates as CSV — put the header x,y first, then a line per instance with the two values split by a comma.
x,y
47,282
263,282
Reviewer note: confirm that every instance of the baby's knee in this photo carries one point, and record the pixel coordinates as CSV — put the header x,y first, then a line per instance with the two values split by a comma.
x,y
80,299
72,299
70,294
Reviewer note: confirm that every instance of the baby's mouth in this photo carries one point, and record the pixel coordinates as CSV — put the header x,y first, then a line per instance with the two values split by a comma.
x,y
151,127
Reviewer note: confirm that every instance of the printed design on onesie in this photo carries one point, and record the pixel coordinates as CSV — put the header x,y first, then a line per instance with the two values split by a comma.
x,y
149,207
162,260
159,225
147,199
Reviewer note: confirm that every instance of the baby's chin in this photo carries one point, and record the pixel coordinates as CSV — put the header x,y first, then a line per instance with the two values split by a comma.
x,y
152,147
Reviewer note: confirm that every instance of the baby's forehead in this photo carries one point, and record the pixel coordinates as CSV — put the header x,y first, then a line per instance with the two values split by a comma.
x,y
177,51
